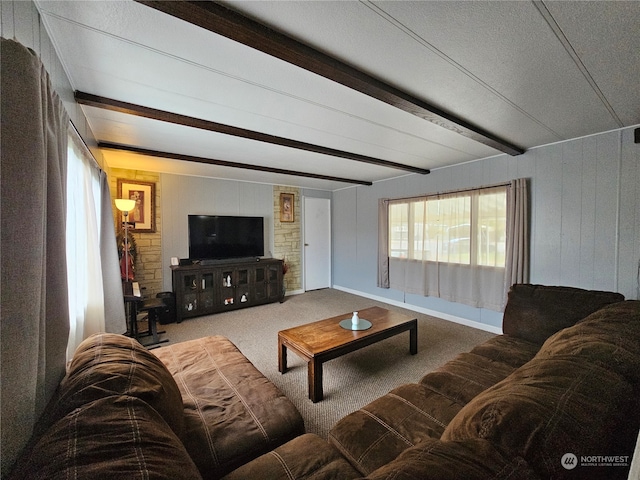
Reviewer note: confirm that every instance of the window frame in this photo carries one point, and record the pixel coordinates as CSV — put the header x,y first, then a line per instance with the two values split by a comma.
x,y
409,240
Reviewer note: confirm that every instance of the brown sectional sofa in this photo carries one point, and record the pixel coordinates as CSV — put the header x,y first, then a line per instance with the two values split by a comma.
x,y
564,378
192,410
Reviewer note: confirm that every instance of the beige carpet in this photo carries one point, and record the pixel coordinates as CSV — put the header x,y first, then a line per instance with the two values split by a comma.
x,y
350,381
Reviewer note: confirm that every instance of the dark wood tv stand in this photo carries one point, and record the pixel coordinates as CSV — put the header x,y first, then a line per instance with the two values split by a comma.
x,y
212,287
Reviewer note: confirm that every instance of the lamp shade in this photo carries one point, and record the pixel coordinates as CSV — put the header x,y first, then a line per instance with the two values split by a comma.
x,y
125,205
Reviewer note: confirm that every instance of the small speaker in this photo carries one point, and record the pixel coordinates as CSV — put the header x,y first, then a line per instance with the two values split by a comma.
x,y
636,135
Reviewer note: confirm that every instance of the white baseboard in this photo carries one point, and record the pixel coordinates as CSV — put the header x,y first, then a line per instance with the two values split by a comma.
x,y
425,311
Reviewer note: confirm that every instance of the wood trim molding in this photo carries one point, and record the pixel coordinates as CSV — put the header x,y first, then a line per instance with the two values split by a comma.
x,y
164,116
228,23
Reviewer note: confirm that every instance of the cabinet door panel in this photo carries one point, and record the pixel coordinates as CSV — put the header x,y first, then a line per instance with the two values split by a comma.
x,y
189,302
275,287
227,297
242,293
260,285
207,294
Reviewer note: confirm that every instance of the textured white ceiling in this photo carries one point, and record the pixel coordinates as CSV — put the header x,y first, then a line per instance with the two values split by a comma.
x,y
531,73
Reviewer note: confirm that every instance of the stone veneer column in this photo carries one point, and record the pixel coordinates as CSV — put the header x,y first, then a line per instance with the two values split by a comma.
x,y
148,267
287,238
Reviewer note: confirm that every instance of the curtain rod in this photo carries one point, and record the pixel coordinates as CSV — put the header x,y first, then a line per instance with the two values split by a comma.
x,y
447,192
95,162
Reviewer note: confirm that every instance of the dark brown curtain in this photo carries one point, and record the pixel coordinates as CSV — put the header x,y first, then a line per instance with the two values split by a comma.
x,y
34,320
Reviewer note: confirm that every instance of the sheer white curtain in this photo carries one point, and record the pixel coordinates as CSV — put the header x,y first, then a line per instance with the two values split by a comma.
x,y
84,269
466,247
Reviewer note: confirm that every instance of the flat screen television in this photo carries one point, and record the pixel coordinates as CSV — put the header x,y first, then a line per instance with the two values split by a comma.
x,y
218,237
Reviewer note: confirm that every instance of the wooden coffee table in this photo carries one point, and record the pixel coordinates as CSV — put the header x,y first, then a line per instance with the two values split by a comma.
x,y
319,342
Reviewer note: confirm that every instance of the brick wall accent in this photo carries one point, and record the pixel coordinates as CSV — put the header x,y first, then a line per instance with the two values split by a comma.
x,y
148,267
288,238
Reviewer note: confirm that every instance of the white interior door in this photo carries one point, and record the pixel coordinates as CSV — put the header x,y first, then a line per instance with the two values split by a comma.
x,y
317,243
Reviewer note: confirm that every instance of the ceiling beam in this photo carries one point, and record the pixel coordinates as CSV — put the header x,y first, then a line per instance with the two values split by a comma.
x,y
225,163
164,116
228,23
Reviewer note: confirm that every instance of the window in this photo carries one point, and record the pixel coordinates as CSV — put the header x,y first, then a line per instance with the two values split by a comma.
x,y
467,247
466,228
84,267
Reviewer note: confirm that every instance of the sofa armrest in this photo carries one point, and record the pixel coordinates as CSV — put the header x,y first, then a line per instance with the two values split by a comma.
x,y
117,413
113,437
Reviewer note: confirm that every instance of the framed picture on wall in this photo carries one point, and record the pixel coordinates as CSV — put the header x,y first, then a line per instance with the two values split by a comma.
x,y
286,207
144,213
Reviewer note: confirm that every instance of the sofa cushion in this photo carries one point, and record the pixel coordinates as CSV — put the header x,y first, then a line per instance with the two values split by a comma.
x,y
307,457
535,312
411,413
381,430
546,408
512,351
464,377
472,459
114,437
232,412
109,364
